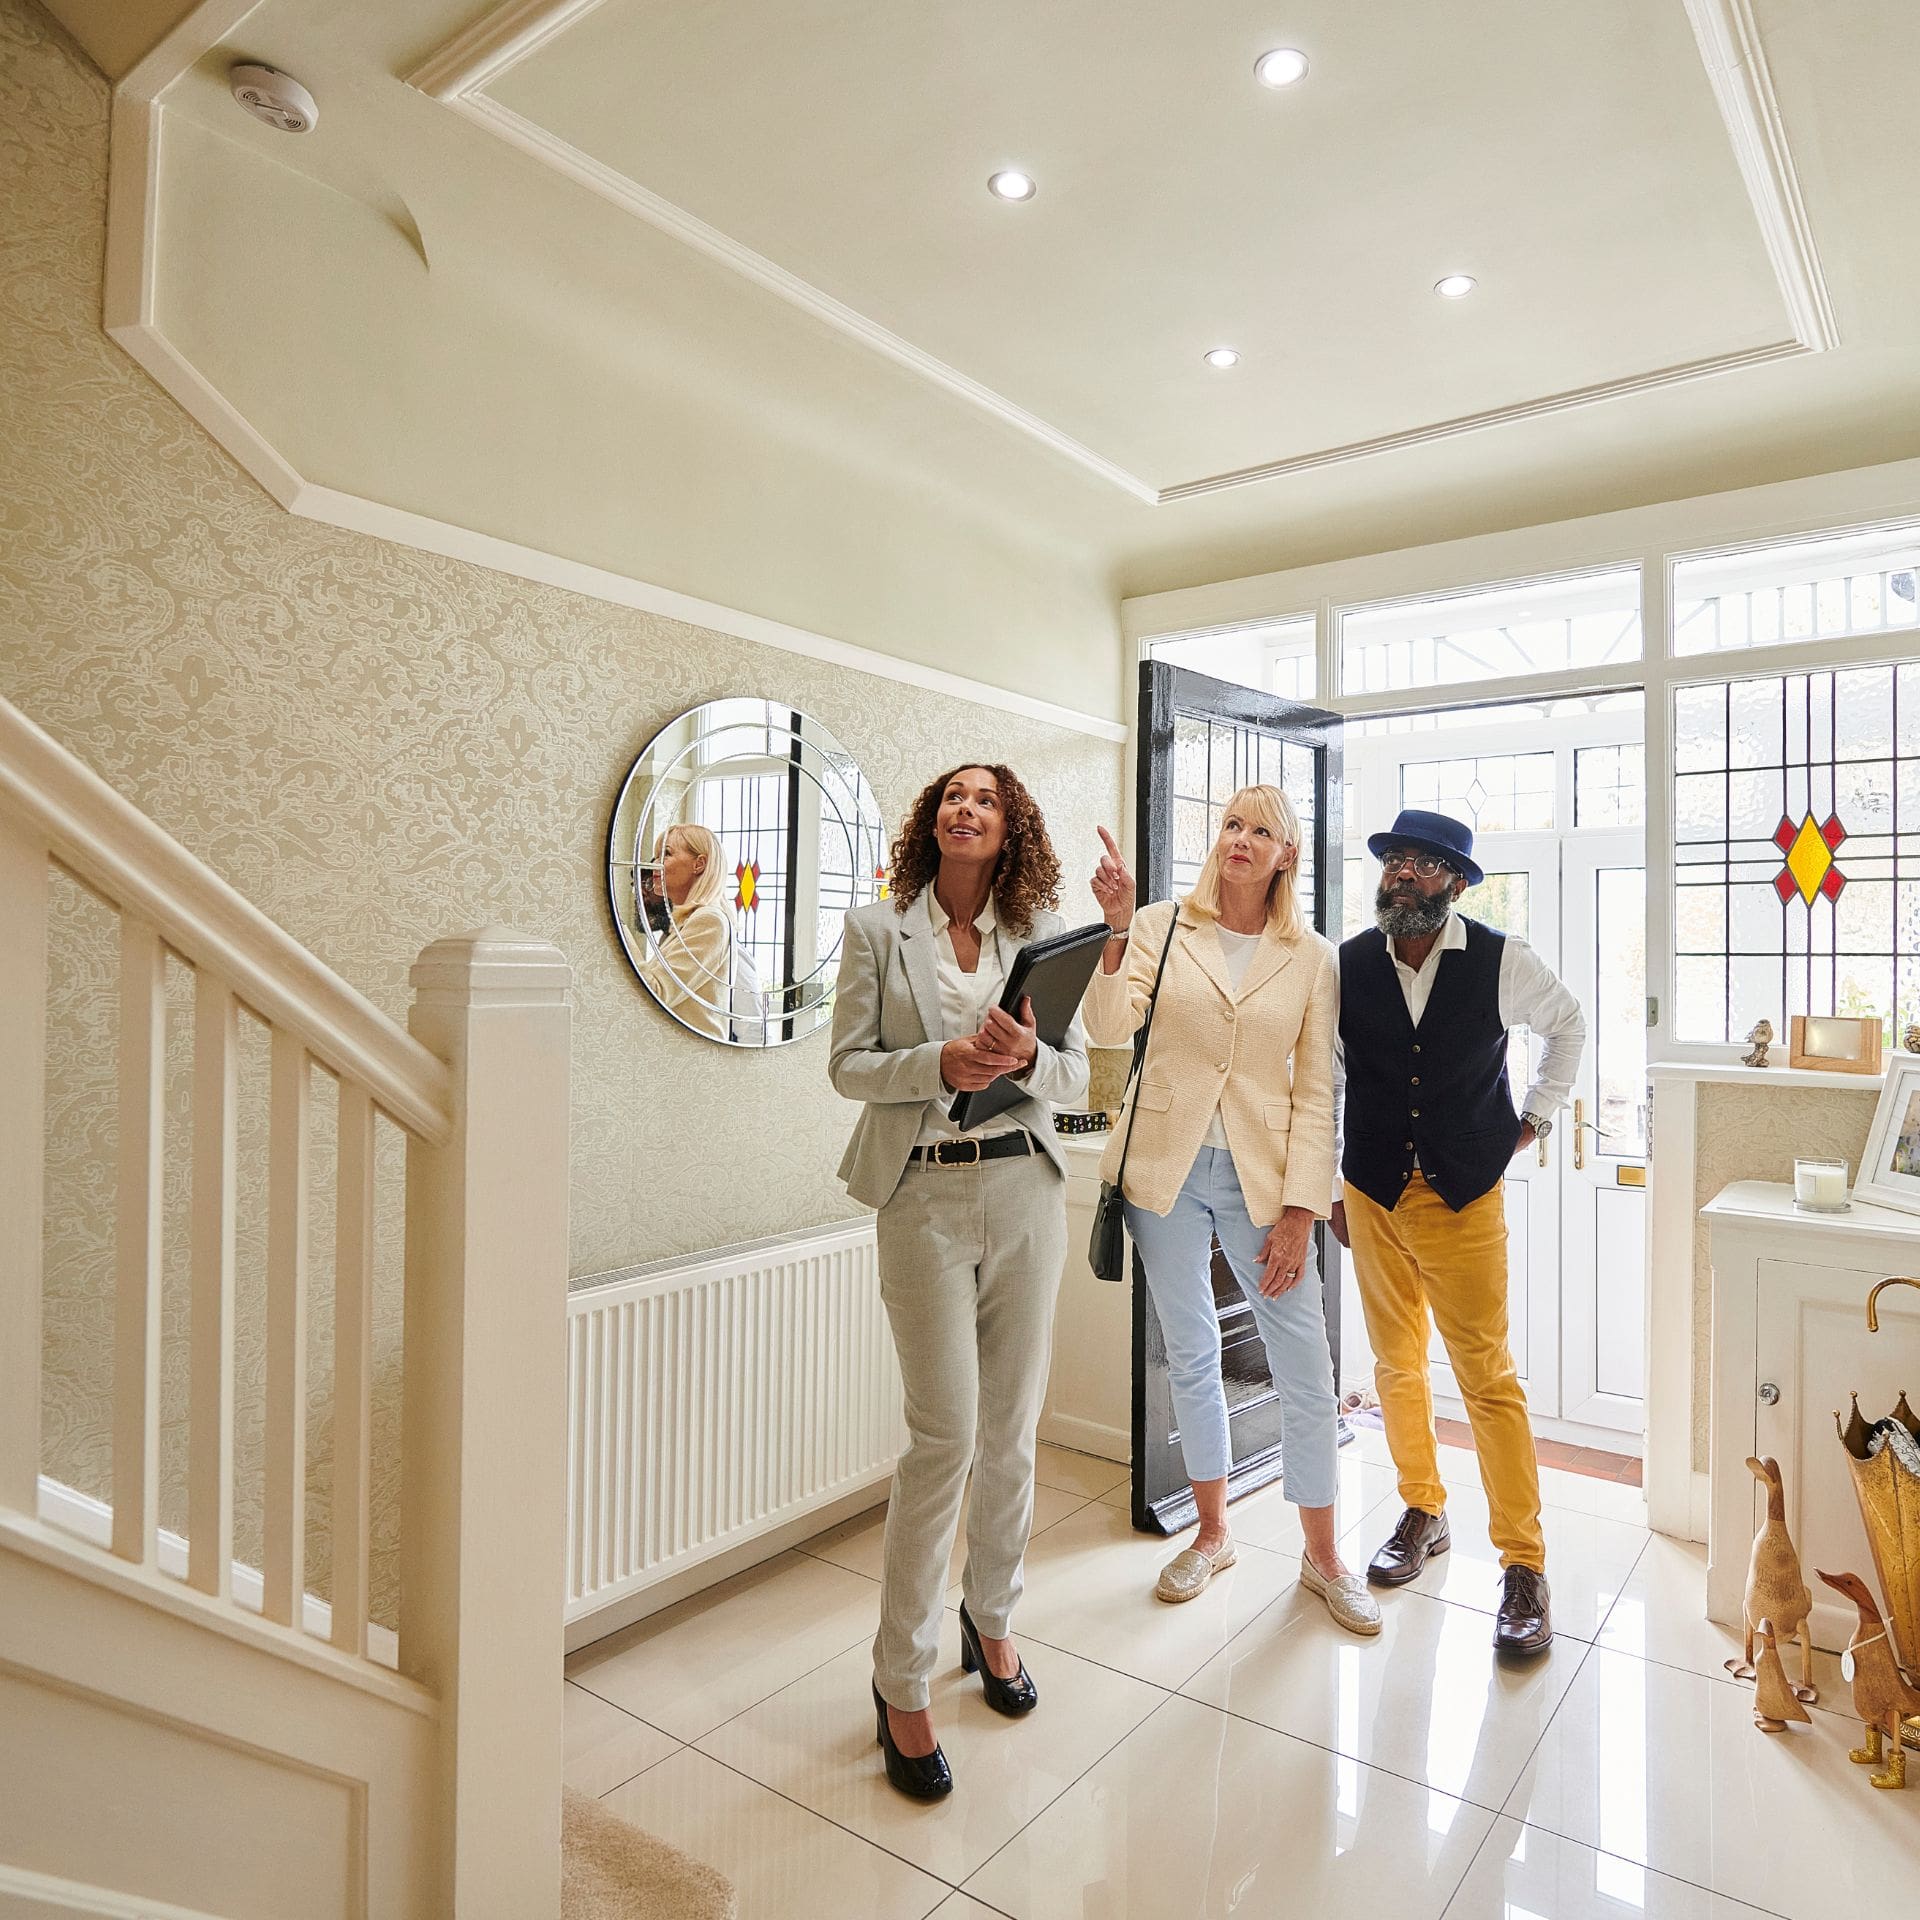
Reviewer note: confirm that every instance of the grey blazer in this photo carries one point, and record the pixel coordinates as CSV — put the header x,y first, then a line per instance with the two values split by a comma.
x,y
887,1041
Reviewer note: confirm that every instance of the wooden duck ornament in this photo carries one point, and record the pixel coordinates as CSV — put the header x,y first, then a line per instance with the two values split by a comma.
x,y
1881,1695
1776,1591
1775,1700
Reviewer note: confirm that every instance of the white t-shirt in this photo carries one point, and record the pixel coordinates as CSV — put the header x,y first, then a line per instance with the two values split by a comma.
x,y
1237,950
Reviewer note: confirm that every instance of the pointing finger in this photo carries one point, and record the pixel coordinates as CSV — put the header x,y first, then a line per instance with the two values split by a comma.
x,y
1108,838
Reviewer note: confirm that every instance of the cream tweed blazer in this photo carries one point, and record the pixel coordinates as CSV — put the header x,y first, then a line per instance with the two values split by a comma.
x,y
1265,1056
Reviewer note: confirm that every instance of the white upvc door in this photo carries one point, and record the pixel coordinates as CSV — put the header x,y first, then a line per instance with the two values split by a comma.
x,y
1604,1158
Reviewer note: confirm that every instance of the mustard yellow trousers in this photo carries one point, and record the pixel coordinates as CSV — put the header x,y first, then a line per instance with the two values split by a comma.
x,y
1423,1258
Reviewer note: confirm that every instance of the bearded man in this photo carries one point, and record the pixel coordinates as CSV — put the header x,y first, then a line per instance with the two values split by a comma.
x,y
1429,1126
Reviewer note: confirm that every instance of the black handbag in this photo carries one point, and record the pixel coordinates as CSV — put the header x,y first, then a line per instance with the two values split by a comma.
x,y
1107,1250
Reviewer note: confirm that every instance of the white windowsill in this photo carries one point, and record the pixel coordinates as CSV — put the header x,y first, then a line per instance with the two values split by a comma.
x,y
1732,1073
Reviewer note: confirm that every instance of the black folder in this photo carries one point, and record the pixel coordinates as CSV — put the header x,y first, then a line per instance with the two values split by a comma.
x,y
1053,974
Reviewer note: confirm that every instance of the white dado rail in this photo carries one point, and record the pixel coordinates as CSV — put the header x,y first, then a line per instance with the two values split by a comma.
x,y
1790,1347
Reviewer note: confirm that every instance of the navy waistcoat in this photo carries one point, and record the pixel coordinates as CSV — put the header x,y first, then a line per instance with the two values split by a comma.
x,y
1438,1091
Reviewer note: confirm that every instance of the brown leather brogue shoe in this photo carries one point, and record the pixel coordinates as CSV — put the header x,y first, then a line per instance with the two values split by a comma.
x,y
1524,1624
1412,1543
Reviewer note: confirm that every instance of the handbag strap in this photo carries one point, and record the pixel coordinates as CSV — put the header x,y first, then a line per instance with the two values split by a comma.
x,y
1140,1052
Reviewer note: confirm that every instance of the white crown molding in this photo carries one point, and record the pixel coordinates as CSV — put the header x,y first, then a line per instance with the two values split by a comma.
x,y
461,71
1736,63
129,316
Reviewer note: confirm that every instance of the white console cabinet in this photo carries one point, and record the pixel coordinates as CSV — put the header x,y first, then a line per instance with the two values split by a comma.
x,y
1790,1347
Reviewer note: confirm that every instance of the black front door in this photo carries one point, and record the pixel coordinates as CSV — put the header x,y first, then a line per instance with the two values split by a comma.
x,y
1200,741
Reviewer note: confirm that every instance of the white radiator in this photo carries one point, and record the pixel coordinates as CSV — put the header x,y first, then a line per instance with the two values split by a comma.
x,y
712,1402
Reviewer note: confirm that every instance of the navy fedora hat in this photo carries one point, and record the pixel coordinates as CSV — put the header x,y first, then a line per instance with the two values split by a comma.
x,y
1436,833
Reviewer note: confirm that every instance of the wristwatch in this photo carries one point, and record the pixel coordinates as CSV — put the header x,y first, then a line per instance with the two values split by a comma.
x,y
1542,1124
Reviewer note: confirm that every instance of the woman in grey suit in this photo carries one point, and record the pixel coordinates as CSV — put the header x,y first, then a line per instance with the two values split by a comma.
x,y
971,1230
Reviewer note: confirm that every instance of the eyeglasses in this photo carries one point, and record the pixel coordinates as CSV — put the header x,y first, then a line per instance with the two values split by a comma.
x,y
1424,865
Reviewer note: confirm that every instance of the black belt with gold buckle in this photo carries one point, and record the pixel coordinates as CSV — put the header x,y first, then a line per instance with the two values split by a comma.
x,y
969,1153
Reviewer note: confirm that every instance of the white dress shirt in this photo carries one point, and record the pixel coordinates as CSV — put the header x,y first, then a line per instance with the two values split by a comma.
x,y
964,1000
1532,995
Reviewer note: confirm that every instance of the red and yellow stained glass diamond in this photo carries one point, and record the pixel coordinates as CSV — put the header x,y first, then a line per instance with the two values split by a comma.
x,y
1810,870
748,874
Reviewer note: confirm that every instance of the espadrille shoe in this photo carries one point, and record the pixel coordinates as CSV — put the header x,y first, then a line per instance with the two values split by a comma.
x,y
1346,1595
1185,1576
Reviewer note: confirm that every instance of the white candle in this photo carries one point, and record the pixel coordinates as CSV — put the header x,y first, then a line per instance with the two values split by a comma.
x,y
1820,1183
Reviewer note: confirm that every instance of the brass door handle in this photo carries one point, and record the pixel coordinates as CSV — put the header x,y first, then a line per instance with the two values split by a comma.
x,y
1873,1311
1579,1135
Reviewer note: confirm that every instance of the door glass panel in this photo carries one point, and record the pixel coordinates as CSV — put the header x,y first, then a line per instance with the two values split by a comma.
x,y
1619,1015
1213,759
1493,792
1610,786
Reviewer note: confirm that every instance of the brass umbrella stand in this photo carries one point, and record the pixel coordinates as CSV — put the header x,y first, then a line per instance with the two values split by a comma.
x,y
1886,1481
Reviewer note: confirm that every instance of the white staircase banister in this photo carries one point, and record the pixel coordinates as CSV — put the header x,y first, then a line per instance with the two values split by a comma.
x,y
112,846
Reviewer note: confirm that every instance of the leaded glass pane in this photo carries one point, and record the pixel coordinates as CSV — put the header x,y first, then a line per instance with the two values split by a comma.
x,y
1494,793
1609,786
1799,879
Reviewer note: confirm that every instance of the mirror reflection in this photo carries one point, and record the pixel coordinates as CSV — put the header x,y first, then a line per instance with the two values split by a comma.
x,y
742,836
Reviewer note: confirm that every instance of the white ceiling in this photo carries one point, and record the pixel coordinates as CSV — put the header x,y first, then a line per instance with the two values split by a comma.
x,y
1572,159
710,283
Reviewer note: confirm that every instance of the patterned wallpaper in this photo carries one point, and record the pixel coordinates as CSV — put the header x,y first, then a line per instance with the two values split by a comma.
x,y
378,747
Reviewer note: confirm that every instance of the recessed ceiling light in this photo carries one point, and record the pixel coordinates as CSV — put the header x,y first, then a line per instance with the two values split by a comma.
x,y
1010,184
1456,286
1280,68
1221,357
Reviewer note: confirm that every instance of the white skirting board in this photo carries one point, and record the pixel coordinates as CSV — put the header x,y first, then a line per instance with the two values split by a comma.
x,y
715,1403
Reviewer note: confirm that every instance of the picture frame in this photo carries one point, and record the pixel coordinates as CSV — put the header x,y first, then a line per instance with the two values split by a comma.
x,y
1890,1166
1836,1043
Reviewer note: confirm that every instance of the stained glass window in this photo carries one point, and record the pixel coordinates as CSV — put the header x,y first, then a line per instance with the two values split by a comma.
x,y
1797,849
1541,626
1493,793
1832,588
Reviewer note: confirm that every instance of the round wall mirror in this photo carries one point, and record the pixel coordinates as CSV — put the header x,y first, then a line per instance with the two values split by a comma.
x,y
742,837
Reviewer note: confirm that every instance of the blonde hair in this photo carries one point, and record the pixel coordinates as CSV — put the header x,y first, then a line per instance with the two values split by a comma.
x,y
704,844
1264,807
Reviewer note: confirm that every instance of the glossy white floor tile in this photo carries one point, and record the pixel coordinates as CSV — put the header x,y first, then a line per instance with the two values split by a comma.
x,y
1198,1813
1083,1473
1667,1769
1609,1499
859,1544
814,1742
1090,1591
1661,1612
1523,1871
1428,1699
960,1906
605,1745
1589,1562
701,1662
785,1863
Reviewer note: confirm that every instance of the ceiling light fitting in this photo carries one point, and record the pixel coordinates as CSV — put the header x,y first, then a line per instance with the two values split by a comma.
x,y
1280,68
1221,357
282,102
1456,286
1011,184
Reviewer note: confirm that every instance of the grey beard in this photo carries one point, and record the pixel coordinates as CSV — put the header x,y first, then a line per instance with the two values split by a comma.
x,y
1400,921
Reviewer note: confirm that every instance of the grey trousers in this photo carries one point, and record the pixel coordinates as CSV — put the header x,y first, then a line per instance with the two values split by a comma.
x,y
970,1262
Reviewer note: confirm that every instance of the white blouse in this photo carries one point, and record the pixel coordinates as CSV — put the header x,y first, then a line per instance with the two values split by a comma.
x,y
964,1000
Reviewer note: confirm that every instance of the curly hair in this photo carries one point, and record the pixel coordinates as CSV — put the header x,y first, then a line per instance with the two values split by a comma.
x,y
1027,874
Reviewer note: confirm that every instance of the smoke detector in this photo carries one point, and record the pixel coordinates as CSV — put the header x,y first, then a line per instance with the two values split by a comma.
x,y
276,98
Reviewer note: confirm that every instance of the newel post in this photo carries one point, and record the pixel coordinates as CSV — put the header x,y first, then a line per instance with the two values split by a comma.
x,y
483,1497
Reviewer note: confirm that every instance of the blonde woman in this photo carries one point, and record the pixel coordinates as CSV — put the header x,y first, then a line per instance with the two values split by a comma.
x,y
692,973
1233,1139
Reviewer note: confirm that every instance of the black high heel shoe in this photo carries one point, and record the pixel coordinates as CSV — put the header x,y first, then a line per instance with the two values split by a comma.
x,y
1016,1696
925,1778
